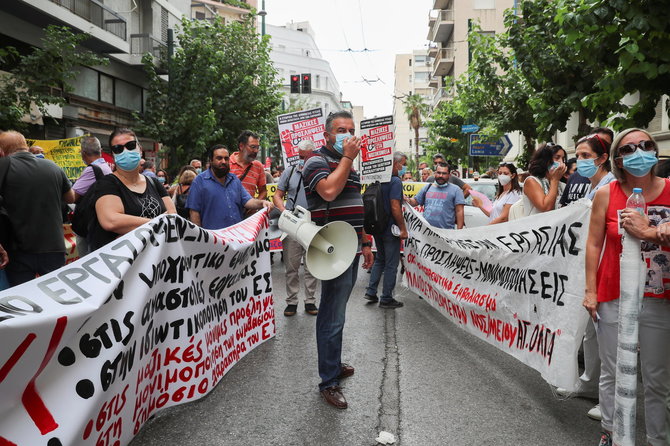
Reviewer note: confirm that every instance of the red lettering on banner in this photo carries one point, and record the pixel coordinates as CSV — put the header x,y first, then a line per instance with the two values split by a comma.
x,y
11,362
4,442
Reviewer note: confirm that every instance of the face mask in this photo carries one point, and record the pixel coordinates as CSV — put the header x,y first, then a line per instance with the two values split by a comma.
x,y
39,155
639,163
301,163
339,139
402,171
554,165
198,171
127,160
504,179
161,180
587,168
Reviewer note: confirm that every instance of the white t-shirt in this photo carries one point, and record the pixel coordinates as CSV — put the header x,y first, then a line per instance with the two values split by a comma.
x,y
499,204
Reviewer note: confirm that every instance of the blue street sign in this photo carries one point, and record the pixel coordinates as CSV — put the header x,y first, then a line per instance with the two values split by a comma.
x,y
482,145
469,128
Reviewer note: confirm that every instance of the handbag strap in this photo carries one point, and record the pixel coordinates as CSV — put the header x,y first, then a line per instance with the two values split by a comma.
x,y
244,175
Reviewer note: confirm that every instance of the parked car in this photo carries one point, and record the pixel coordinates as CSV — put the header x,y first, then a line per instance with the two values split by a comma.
x,y
473,215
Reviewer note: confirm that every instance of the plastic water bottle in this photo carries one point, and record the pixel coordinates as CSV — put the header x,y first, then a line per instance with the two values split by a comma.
x,y
636,201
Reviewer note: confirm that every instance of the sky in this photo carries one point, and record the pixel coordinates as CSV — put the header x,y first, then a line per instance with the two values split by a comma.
x,y
385,27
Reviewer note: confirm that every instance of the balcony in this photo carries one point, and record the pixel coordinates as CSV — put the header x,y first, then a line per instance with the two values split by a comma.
x,y
434,82
443,63
432,51
441,26
98,14
442,94
441,4
141,44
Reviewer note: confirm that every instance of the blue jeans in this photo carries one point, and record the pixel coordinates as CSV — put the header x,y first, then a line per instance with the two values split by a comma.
x,y
330,323
386,262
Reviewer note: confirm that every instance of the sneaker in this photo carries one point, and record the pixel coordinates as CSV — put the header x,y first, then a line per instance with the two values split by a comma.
x,y
594,413
290,310
372,299
311,309
605,439
391,304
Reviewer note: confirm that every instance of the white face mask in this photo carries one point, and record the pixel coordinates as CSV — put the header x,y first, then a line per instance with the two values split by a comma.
x,y
504,179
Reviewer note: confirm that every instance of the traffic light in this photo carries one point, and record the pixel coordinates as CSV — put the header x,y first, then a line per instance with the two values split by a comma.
x,y
295,83
307,83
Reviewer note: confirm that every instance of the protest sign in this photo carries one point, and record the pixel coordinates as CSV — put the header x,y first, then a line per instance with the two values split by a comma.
x,y
296,126
64,152
154,319
518,285
377,149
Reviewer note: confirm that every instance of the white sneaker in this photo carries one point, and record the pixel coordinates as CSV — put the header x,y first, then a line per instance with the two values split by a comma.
x,y
560,391
594,413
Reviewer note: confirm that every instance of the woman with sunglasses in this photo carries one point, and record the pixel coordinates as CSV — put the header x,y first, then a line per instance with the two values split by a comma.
x,y
127,199
509,192
635,155
543,188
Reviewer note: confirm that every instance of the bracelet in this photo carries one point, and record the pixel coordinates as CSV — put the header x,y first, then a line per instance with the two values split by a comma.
x,y
345,156
366,245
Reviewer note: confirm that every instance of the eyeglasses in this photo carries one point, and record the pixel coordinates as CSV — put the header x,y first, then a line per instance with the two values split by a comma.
x,y
603,144
130,145
646,146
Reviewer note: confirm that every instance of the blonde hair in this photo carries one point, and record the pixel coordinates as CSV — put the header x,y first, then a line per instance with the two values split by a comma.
x,y
188,175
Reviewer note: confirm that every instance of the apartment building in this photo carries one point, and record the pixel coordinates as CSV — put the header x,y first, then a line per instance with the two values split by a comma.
x,y
412,76
229,10
294,51
104,97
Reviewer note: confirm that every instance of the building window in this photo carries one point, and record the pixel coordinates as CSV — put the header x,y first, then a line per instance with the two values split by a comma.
x,y
106,89
410,143
127,95
410,61
484,4
410,78
317,82
421,76
420,60
86,83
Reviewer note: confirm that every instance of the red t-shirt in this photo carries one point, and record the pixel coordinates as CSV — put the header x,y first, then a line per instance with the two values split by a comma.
x,y
255,177
656,257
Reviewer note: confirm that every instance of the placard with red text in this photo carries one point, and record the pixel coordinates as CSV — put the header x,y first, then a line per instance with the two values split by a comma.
x,y
296,126
377,149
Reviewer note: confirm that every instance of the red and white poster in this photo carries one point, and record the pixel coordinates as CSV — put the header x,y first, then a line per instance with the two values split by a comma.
x,y
154,319
297,126
377,149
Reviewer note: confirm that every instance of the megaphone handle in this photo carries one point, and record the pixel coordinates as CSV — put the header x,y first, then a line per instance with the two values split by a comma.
x,y
300,211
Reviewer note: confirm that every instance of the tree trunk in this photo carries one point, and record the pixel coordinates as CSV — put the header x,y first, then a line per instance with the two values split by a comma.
x,y
416,147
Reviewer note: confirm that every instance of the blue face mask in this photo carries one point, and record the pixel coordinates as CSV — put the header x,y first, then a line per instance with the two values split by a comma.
x,y
161,180
198,171
301,163
127,160
340,137
554,165
640,162
402,171
587,168
39,155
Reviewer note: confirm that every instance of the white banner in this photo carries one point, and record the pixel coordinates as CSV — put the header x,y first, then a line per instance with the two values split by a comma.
x,y
517,285
154,319
377,149
296,126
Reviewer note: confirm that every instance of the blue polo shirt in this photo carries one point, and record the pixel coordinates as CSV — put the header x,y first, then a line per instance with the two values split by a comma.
x,y
219,205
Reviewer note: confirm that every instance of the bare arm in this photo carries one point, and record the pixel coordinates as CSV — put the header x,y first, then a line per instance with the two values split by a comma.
x,y
194,216
536,195
460,216
476,201
396,212
504,215
170,208
594,246
256,204
466,190
278,200
112,218
69,196
331,186
262,192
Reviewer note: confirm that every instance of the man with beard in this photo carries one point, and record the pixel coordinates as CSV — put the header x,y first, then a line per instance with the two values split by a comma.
x,y
216,198
248,169
442,200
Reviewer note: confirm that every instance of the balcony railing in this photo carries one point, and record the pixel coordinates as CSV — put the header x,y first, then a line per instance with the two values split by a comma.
x,y
441,25
98,14
443,62
442,94
145,43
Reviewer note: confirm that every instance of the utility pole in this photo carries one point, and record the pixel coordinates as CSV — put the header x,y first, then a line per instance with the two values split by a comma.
x,y
263,13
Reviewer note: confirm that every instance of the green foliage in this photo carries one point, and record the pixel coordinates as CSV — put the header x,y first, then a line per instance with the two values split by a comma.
x,y
221,82
53,66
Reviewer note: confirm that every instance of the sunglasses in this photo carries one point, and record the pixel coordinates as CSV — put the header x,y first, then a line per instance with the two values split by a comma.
x,y
130,145
645,146
603,144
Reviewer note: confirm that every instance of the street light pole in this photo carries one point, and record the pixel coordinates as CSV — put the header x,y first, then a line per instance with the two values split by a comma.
x,y
263,13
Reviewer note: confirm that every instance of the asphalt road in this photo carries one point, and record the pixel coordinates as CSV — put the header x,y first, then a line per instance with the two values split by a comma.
x,y
417,376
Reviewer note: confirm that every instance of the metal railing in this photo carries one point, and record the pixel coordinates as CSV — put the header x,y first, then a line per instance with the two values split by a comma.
x,y
442,93
98,14
145,43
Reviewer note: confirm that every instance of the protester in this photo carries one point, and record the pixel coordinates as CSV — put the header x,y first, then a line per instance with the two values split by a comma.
x,y
149,169
37,151
333,192
425,174
127,199
442,200
32,189
290,185
197,165
438,159
247,168
634,153
509,192
217,198
91,155
180,195
579,186
570,168
388,244
173,188
407,177
163,178
543,187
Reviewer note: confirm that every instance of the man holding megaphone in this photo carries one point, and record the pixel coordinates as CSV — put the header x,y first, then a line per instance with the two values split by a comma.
x,y
333,191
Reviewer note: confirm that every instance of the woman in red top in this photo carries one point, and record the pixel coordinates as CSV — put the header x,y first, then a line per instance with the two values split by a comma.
x,y
634,154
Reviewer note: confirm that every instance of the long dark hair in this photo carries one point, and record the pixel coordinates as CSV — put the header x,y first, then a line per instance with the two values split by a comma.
x,y
542,158
515,179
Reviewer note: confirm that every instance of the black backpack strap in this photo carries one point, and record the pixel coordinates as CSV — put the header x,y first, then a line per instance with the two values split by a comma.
x,y
97,171
4,172
297,190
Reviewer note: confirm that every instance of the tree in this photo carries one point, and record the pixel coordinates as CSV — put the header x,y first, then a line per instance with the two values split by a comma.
x,y
36,75
221,82
415,108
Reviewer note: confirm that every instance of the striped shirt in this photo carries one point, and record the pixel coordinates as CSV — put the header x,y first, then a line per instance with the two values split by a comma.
x,y
255,177
347,206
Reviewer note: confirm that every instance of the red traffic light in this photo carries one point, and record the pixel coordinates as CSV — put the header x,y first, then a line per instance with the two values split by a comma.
x,y
295,83
307,83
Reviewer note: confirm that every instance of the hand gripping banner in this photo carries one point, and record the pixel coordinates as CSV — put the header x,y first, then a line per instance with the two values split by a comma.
x,y
154,319
518,285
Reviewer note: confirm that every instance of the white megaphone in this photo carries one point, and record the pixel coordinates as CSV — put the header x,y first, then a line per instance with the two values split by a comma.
x,y
330,249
